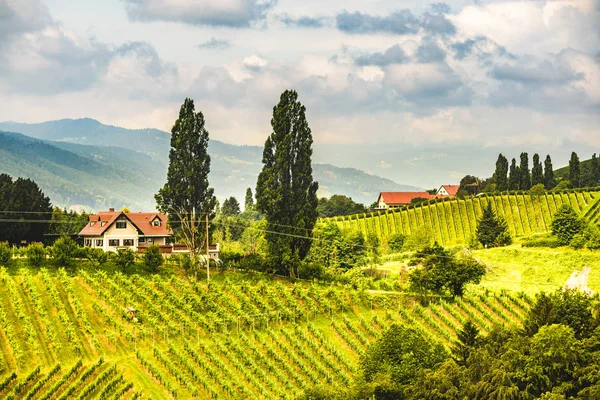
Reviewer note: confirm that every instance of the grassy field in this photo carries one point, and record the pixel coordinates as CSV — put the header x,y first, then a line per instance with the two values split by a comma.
x,y
454,222
241,337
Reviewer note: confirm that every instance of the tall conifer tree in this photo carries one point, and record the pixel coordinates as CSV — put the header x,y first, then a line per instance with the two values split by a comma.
x,y
249,200
574,171
595,171
549,180
285,190
501,173
514,176
537,173
187,197
525,181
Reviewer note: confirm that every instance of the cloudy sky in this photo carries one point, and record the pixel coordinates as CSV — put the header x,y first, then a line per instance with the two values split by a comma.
x,y
376,71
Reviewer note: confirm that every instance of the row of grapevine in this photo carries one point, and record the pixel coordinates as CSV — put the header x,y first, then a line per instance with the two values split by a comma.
x,y
69,384
454,222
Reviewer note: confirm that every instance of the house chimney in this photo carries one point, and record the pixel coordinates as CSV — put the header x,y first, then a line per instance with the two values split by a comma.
x,y
111,210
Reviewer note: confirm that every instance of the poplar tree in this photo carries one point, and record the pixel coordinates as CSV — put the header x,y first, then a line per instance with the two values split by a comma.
x,y
514,176
249,200
595,171
574,171
525,175
500,175
285,191
549,180
187,197
537,173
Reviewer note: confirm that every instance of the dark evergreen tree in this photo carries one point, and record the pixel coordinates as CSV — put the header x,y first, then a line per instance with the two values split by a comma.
x,y
187,196
595,171
230,207
467,340
549,180
501,173
537,172
492,230
249,200
285,190
25,196
525,175
514,176
574,171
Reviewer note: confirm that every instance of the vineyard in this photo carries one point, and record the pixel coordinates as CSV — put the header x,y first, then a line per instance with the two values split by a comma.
x,y
95,335
454,221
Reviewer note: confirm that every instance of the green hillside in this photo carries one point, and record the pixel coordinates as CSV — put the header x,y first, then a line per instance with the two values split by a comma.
x,y
258,338
454,221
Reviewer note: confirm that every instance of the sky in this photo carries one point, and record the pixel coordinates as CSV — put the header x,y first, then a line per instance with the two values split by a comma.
x,y
483,72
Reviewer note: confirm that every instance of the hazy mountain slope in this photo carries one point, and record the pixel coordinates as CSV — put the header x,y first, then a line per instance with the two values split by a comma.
x,y
101,176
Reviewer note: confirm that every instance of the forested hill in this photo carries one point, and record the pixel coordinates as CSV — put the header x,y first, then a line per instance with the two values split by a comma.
x,y
119,167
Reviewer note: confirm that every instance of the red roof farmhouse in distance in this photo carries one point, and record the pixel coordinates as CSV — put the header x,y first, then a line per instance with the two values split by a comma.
x,y
448,190
388,200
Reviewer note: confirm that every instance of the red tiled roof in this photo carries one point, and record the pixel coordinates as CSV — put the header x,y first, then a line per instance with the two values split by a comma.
x,y
401,198
451,189
141,220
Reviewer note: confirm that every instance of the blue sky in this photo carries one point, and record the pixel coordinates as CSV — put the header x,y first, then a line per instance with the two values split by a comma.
x,y
461,72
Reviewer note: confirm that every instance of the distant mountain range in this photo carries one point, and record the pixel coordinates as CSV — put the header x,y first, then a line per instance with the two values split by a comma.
x,y
83,162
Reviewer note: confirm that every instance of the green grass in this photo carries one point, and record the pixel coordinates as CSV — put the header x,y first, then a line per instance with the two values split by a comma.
x,y
536,269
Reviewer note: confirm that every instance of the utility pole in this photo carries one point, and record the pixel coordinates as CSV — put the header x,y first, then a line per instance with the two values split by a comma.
x,y
207,254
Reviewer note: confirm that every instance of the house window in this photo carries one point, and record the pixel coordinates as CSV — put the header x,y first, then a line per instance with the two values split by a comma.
x,y
99,242
156,222
88,242
142,240
102,223
113,242
92,223
121,225
128,242
150,240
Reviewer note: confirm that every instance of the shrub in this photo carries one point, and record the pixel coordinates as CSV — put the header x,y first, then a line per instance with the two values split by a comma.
x,y
98,257
578,242
36,254
308,270
541,241
538,190
124,259
5,254
63,251
566,224
153,258
396,241
417,240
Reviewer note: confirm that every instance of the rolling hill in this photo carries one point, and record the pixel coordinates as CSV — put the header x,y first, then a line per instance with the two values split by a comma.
x,y
87,163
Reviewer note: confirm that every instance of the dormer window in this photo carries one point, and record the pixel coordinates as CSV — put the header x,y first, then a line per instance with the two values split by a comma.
x,y
92,223
156,222
102,223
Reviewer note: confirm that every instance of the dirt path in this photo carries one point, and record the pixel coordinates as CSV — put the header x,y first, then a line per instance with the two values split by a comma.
x,y
579,280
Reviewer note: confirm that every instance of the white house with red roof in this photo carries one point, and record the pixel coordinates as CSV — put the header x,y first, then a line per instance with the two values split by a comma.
x,y
113,230
448,190
390,200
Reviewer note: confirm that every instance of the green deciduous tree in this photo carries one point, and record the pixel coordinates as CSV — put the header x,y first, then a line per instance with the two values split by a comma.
x,y
537,171
396,242
574,171
338,205
514,176
501,173
441,271
36,254
64,251
525,175
285,190
124,259
230,207
153,258
537,190
186,196
549,180
566,224
492,230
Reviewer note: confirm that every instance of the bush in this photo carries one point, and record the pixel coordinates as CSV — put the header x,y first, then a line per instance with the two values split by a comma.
x,y
396,242
153,258
98,257
566,224
538,190
308,270
36,254
5,254
578,242
417,240
124,259
592,234
63,251
541,241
